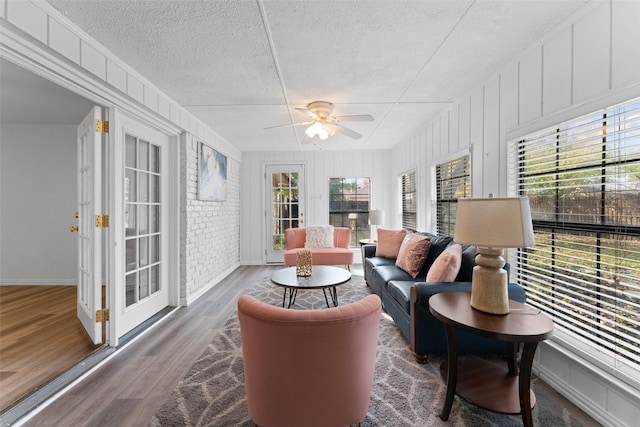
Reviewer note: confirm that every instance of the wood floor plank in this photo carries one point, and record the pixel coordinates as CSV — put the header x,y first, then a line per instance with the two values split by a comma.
x,y
139,378
40,338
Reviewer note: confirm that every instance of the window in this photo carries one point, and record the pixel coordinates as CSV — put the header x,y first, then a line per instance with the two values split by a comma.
x,y
349,206
452,180
582,178
409,202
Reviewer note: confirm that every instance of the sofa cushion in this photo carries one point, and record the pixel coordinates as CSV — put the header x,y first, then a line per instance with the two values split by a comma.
x,y
446,267
413,253
319,236
389,242
400,290
438,245
468,262
386,273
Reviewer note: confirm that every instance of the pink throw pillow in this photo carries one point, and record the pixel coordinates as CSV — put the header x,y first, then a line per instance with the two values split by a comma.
x,y
446,267
389,242
413,253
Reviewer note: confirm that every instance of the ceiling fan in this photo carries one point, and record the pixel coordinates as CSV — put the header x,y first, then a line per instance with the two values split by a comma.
x,y
323,125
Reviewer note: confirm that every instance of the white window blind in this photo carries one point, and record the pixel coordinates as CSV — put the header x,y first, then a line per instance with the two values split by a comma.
x,y
409,202
452,181
582,178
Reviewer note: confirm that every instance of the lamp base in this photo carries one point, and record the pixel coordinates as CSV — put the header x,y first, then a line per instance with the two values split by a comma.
x,y
489,292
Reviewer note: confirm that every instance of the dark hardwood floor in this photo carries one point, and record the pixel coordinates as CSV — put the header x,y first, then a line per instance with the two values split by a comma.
x,y
131,386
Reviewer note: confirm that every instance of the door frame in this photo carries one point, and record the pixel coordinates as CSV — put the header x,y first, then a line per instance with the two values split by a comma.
x,y
116,248
265,186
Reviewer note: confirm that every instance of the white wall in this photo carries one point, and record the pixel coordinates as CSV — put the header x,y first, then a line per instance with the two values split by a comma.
x,y
320,166
591,62
37,204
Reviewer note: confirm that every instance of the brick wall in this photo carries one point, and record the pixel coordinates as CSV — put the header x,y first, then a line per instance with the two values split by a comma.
x,y
209,231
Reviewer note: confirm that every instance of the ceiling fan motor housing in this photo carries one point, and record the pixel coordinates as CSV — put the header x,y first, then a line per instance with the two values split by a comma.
x,y
320,108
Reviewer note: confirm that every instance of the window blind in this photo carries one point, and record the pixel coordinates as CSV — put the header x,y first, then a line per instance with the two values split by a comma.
x,y
409,202
452,181
582,178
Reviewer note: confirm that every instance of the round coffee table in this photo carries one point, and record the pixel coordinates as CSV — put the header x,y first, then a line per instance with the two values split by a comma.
x,y
322,277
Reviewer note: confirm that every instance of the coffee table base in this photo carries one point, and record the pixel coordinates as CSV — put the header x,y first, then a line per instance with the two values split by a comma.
x,y
293,293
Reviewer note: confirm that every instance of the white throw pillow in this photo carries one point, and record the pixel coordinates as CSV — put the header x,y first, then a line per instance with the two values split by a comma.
x,y
319,236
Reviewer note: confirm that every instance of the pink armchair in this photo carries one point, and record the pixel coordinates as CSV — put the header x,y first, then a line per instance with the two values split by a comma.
x,y
308,367
339,254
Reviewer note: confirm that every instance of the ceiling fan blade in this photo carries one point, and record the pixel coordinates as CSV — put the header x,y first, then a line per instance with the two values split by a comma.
x,y
306,140
289,124
306,111
355,118
350,133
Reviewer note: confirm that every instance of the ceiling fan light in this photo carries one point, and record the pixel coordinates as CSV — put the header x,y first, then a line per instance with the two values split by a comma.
x,y
311,131
323,134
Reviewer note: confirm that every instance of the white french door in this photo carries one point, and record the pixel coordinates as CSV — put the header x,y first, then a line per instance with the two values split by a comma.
x,y
141,225
285,197
89,237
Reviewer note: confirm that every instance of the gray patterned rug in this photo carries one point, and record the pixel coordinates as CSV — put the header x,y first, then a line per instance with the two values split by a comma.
x,y
405,393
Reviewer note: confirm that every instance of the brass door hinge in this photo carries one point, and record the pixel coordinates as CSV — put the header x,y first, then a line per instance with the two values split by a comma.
x,y
102,221
102,126
102,315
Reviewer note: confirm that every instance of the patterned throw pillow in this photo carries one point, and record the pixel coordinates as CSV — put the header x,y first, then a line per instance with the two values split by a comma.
x,y
446,267
389,242
413,253
319,236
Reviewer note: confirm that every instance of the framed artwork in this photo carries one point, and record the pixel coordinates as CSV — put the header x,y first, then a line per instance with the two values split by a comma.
x,y
212,177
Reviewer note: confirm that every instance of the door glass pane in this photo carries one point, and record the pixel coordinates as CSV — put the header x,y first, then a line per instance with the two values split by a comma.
x,y
130,288
154,159
130,151
143,164
144,283
284,205
154,250
130,219
154,279
144,187
143,219
131,255
144,252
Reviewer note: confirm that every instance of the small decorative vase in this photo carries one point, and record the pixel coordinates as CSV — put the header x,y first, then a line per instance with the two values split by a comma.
x,y
303,263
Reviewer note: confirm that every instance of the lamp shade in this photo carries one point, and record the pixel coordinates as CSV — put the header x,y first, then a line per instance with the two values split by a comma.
x,y
494,222
376,217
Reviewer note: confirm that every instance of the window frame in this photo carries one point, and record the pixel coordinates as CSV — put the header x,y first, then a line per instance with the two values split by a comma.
x,y
594,313
445,224
359,224
409,199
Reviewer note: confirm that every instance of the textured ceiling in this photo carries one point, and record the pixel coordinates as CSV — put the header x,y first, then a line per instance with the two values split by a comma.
x,y
241,66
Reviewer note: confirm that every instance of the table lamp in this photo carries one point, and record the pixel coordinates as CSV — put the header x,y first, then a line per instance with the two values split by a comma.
x,y
492,224
376,217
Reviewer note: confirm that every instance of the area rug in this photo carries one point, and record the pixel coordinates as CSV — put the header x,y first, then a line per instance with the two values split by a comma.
x,y
405,393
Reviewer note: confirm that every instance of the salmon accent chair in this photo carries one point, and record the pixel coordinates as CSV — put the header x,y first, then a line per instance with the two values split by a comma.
x,y
308,367
339,254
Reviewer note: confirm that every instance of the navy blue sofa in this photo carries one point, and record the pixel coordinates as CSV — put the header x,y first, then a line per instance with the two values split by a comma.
x,y
406,299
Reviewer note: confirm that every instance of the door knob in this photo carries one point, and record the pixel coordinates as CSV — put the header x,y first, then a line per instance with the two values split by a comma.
x,y
73,228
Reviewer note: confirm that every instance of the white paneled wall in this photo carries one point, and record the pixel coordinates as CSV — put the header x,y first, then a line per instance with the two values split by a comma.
x,y
319,166
590,63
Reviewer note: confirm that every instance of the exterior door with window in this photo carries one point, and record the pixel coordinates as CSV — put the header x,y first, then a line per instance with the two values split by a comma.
x,y
141,224
285,208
